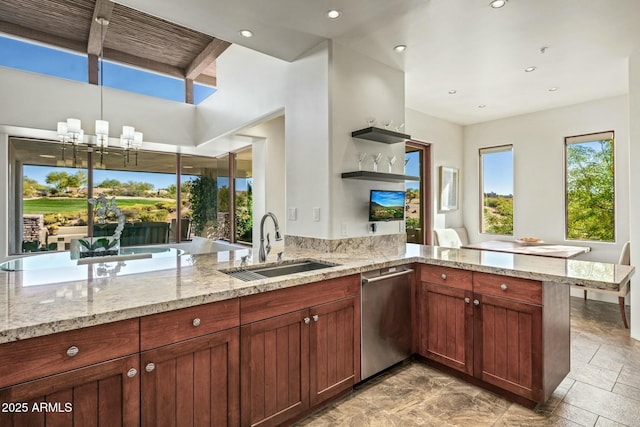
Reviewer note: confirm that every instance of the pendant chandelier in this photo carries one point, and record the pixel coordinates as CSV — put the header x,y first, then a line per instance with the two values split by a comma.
x,y
71,130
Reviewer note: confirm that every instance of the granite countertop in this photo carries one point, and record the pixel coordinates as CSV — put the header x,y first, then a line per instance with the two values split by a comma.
x,y
36,303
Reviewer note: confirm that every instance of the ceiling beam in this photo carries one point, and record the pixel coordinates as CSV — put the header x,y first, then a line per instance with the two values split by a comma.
x,y
31,34
103,9
206,58
207,80
148,64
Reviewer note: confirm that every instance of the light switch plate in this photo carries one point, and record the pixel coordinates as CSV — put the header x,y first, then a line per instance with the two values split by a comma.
x,y
316,214
292,214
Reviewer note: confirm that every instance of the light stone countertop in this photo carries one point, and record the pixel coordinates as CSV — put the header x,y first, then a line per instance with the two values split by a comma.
x,y
46,301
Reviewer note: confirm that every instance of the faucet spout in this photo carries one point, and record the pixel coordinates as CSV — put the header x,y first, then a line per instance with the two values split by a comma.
x,y
262,254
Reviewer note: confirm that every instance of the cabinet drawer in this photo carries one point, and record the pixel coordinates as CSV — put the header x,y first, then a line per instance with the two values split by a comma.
x,y
452,277
179,325
522,290
39,357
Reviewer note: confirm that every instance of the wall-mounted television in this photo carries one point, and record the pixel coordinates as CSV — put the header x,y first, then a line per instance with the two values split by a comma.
x,y
386,205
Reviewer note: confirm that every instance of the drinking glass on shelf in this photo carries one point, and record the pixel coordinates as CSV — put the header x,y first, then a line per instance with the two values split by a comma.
x,y
361,157
376,160
388,124
371,121
392,160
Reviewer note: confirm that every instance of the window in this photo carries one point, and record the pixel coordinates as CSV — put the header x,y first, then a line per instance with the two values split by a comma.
x,y
36,58
496,191
416,212
52,209
590,187
39,59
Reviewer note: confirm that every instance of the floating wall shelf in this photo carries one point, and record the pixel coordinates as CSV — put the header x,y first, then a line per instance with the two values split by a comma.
x,y
379,176
380,135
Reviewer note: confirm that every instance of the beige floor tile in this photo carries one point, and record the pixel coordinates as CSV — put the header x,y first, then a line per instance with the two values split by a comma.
x,y
608,404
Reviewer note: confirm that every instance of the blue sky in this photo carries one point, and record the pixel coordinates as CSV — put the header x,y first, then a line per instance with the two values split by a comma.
x,y
497,170
52,62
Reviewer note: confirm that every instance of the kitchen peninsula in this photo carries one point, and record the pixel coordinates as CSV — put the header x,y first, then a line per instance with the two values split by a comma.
x,y
145,321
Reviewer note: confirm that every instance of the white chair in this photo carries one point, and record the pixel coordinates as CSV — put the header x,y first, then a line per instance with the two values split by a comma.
x,y
625,259
450,237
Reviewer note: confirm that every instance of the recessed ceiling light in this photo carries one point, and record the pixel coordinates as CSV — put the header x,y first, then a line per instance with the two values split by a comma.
x,y
47,156
334,14
453,92
246,33
529,69
497,4
400,48
553,89
482,105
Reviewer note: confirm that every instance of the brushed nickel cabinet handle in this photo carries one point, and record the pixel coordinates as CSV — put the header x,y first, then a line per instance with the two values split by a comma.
x,y
444,276
467,300
503,287
132,372
476,302
306,320
150,367
73,351
196,322
315,317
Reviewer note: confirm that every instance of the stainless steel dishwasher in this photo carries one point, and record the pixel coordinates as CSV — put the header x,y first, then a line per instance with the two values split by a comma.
x,y
386,318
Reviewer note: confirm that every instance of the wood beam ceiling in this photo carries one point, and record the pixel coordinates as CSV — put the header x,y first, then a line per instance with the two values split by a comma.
x,y
98,32
205,58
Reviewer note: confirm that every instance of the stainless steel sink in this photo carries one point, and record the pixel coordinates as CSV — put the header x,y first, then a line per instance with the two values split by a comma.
x,y
263,272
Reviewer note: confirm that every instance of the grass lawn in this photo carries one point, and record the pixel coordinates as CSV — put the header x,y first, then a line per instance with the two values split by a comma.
x,y
54,205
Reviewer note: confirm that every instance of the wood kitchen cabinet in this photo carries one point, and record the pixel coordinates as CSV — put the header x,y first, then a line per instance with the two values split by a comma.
x,y
83,377
190,366
446,313
292,361
502,331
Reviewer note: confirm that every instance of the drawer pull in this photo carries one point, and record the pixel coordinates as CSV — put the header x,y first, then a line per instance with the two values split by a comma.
x,y
476,302
196,322
306,320
72,351
503,287
132,372
467,300
443,276
315,317
150,367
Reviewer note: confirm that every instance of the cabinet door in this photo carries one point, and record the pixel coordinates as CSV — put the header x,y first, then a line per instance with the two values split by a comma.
x,y
446,327
194,382
275,369
508,345
105,394
333,354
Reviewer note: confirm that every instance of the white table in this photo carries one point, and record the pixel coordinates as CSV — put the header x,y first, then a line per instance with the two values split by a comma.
x,y
539,249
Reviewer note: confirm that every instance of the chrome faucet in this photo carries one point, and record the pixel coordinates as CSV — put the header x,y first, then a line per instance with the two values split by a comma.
x,y
262,255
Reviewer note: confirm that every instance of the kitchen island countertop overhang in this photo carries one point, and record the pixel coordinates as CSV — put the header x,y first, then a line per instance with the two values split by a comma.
x,y
28,310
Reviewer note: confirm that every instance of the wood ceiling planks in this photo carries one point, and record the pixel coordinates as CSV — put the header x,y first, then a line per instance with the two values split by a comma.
x,y
132,37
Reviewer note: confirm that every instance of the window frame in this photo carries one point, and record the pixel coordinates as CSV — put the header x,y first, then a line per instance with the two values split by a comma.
x,y
490,150
580,139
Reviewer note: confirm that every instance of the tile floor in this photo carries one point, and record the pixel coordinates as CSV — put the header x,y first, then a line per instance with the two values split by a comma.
x,y
602,389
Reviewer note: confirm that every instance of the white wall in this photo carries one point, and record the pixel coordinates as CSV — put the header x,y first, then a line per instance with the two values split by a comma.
x,y
538,155
4,201
361,87
634,176
251,86
268,175
38,102
307,142
446,150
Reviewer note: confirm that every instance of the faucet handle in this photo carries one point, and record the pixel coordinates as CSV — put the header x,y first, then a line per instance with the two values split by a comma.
x,y
243,260
268,247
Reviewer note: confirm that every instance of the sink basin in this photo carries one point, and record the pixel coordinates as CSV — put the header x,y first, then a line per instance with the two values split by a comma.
x,y
263,272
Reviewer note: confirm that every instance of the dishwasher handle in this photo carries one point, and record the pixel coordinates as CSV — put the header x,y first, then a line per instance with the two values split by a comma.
x,y
386,276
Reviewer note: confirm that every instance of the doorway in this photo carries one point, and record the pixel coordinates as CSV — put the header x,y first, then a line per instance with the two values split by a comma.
x,y
418,193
